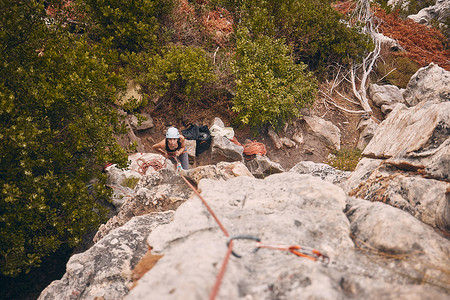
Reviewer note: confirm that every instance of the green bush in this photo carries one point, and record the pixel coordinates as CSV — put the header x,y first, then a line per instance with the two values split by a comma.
x,y
396,70
345,159
178,73
131,25
314,29
57,122
270,88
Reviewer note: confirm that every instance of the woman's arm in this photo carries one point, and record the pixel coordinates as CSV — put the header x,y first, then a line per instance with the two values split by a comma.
x,y
160,147
182,145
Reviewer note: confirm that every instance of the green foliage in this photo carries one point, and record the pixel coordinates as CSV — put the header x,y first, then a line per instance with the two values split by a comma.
x,y
131,182
313,28
178,73
270,88
396,70
345,159
132,25
56,131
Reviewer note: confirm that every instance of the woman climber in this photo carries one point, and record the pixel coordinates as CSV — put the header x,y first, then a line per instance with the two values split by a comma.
x,y
174,146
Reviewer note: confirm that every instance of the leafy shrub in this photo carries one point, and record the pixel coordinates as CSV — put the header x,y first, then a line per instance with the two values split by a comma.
x,y
131,25
270,88
56,130
345,159
314,29
178,73
397,70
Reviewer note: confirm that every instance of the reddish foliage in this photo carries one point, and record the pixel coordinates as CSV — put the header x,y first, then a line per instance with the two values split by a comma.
x,y
216,24
422,44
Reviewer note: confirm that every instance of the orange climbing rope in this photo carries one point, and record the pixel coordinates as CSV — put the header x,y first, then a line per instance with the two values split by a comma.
x,y
251,148
144,165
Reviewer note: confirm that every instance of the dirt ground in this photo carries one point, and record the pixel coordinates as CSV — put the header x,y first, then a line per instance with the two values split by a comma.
x,y
312,149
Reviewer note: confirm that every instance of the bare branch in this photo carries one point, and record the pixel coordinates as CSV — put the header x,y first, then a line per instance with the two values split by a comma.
x,y
330,101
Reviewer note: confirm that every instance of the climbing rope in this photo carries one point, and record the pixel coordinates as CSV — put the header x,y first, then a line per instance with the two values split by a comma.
x,y
251,148
301,251
144,165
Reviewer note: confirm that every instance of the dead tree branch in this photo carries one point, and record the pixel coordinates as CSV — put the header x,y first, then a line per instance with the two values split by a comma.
x,y
358,74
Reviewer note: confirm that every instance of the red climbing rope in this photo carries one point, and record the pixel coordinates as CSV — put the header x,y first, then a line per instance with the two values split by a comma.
x,y
144,165
253,148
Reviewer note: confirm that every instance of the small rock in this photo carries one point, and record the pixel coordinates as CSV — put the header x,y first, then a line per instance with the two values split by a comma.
x,y
275,138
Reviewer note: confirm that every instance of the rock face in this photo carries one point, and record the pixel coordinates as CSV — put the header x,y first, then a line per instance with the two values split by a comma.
x,y
292,209
430,83
411,131
440,12
409,163
166,190
105,270
323,171
376,251
159,191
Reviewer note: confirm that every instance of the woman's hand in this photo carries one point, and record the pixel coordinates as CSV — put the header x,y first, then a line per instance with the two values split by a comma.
x,y
179,152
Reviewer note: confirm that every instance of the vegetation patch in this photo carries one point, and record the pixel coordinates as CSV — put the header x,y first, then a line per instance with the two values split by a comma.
x,y
396,70
345,159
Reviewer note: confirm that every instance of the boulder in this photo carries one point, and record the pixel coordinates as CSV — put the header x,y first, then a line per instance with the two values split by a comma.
x,y
261,166
146,123
133,93
409,166
105,270
190,147
409,131
325,130
388,42
222,149
430,83
399,235
366,127
298,136
323,171
385,94
439,12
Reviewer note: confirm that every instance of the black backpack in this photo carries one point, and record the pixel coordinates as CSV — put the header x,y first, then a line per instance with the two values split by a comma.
x,y
201,135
